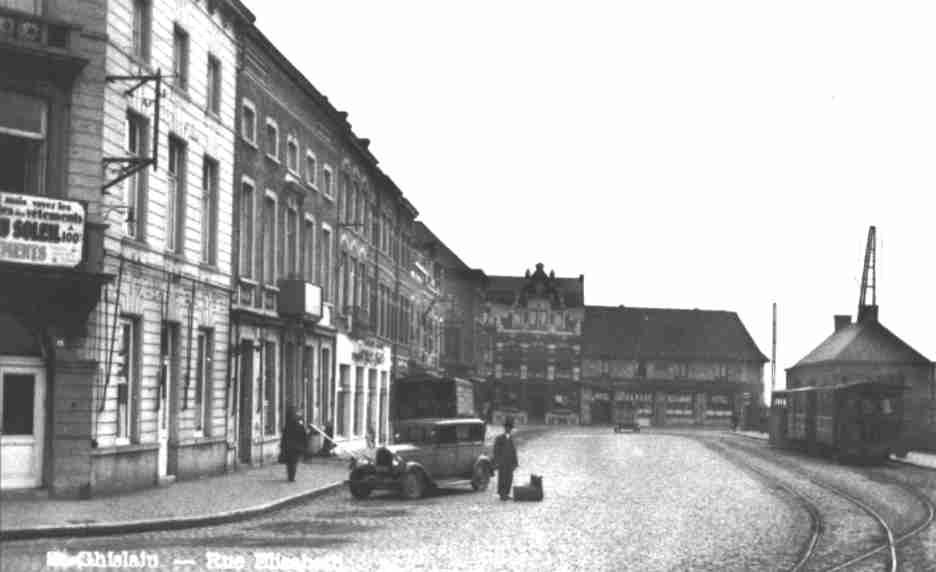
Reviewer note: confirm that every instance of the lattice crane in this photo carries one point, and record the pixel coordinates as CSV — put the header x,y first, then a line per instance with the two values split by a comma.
x,y
868,276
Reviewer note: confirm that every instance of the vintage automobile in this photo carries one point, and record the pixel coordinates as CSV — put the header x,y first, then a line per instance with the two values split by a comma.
x,y
428,453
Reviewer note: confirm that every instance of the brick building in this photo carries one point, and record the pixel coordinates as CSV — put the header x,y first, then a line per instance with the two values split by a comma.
x,y
536,322
288,158
866,350
675,367
51,233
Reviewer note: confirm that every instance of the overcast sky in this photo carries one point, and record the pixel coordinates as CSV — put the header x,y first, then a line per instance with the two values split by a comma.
x,y
714,155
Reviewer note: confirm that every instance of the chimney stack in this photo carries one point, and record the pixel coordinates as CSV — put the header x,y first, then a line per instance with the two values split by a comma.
x,y
841,321
867,313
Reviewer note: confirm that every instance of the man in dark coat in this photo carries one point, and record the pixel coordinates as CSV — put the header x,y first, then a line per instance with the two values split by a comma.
x,y
293,443
505,460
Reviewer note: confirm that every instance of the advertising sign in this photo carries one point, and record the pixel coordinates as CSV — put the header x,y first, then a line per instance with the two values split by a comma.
x,y
41,230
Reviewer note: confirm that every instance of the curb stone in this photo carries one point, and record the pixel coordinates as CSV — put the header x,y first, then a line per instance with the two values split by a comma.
x,y
161,524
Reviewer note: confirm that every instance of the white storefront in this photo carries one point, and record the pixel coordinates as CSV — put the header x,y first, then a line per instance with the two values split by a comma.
x,y
361,390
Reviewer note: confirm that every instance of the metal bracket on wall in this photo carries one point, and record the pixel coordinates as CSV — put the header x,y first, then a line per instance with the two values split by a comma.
x,y
134,164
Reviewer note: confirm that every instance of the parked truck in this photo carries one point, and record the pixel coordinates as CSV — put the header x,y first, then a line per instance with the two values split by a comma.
x,y
427,396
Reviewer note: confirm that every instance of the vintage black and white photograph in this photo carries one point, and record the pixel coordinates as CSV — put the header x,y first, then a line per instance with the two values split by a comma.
x,y
360,285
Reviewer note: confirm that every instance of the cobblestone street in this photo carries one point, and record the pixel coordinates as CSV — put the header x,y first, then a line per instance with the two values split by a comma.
x,y
613,502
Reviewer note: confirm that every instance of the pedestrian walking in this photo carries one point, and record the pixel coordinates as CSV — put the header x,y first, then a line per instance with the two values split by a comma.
x,y
505,460
293,442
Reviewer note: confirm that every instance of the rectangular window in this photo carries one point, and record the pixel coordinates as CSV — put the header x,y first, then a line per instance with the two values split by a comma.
x,y
344,387
292,242
170,350
246,228
327,182
272,139
209,222
269,240
292,155
326,264
214,85
249,122
344,279
127,376
203,376
175,205
309,250
22,143
269,389
142,28
180,57
135,186
311,168
344,194
358,400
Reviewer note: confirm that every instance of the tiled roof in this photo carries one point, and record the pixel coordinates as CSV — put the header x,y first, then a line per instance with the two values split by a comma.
x,y
622,332
864,341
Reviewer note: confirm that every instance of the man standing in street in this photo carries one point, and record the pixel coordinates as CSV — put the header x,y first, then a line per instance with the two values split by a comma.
x,y
505,460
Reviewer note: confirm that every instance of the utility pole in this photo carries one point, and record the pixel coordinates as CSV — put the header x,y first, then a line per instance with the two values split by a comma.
x,y
773,353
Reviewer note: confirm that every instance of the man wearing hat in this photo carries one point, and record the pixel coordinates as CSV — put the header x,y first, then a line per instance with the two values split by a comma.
x,y
505,460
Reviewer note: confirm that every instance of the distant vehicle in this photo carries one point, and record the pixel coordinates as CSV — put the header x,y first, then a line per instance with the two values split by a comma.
x,y
428,396
857,422
429,453
625,417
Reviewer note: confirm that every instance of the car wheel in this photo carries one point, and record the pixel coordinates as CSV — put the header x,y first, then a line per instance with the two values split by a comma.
x,y
412,485
480,477
359,490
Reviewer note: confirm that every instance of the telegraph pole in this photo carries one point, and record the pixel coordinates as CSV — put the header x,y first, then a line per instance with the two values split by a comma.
x,y
773,352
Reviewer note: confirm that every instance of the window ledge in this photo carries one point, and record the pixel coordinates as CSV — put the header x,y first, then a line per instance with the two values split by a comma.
x,y
248,280
251,144
121,449
213,114
273,158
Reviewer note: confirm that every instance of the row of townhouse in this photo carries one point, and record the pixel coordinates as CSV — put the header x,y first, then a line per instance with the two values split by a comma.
x,y
195,240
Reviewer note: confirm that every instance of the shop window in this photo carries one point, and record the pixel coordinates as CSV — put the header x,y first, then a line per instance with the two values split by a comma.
x,y
22,143
18,403
126,376
203,376
269,388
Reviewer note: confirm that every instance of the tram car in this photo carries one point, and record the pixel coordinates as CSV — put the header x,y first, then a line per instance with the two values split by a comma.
x,y
852,422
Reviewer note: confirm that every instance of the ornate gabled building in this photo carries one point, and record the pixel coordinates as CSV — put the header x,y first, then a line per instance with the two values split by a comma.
x,y
536,322
673,366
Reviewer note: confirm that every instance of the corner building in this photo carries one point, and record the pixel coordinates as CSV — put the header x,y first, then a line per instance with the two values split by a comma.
x,y
52,86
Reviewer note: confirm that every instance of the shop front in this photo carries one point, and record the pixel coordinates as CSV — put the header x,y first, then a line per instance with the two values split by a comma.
x,y
362,390
51,281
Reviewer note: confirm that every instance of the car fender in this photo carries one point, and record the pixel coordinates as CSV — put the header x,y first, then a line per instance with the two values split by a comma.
x,y
418,468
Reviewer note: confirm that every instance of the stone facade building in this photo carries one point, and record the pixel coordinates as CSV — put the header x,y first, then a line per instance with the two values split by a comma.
x,y
868,351
160,399
675,367
537,322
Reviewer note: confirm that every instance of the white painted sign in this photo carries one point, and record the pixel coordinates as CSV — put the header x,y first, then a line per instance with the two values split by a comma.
x,y
41,230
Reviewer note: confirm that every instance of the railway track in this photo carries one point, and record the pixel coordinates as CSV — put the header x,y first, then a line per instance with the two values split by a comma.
x,y
820,552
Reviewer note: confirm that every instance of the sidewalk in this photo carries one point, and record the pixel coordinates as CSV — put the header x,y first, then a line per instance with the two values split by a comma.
x,y
210,500
917,458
